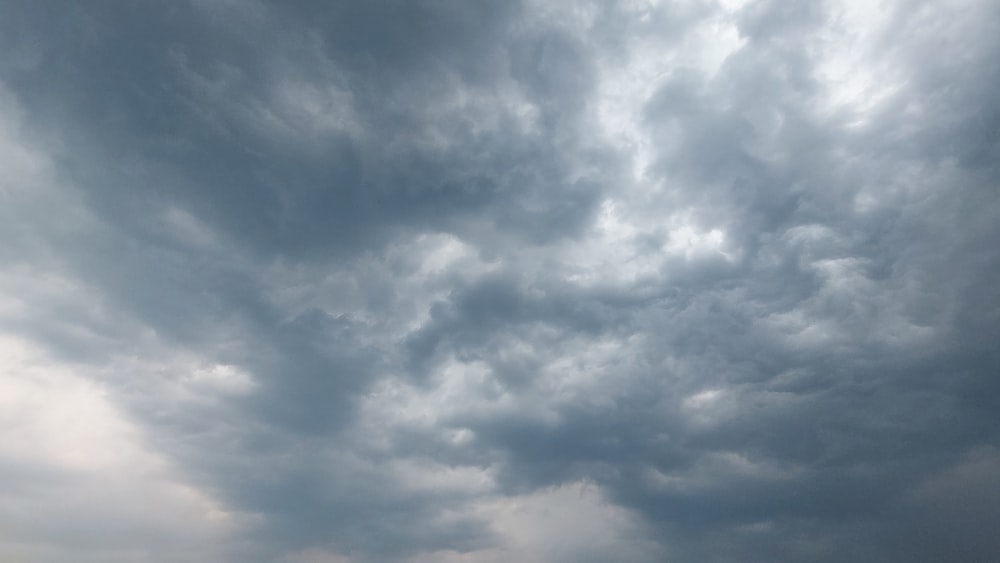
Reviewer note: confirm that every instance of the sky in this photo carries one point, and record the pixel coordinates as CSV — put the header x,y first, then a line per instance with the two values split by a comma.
x,y
499,280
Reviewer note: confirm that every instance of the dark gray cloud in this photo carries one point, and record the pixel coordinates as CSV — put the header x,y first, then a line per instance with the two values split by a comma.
x,y
445,281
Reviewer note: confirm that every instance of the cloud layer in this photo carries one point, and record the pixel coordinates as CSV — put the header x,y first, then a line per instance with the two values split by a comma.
x,y
495,281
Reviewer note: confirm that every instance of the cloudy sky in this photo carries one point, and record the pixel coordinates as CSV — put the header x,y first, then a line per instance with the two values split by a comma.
x,y
490,281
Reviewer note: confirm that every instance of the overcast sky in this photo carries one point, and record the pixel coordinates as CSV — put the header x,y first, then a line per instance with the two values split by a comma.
x,y
488,281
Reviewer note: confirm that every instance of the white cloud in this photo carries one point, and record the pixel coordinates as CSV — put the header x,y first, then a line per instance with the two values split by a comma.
x,y
105,491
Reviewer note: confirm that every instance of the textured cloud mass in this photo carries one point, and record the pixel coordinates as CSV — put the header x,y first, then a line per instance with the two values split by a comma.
x,y
499,281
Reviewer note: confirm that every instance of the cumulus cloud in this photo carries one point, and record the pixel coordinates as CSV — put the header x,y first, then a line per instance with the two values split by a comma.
x,y
537,281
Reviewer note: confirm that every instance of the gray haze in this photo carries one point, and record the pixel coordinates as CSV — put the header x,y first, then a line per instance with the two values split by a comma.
x,y
489,281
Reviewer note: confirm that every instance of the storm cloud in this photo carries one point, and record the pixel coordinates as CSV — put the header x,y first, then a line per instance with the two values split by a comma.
x,y
702,280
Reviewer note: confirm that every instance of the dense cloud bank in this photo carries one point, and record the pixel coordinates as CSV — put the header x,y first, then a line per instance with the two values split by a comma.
x,y
494,281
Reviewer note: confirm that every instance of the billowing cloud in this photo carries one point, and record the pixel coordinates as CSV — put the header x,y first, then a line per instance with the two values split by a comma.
x,y
537,281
